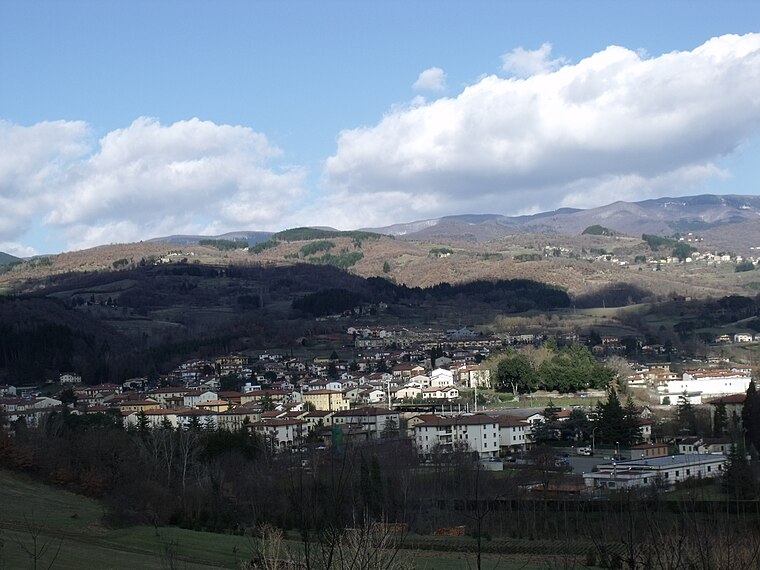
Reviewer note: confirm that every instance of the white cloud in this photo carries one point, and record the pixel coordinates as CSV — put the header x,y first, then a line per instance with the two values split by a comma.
x,y
613,126
140,181
17,249
524,63
432,79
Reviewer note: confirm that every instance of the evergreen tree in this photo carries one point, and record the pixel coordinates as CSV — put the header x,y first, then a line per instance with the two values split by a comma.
x,y
142,422
687,417
720,419
751,417
611,420
631,422
738,480
267,405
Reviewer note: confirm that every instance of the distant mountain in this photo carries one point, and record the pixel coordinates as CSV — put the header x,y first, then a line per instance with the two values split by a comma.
x,y
7,258
662,216
250,237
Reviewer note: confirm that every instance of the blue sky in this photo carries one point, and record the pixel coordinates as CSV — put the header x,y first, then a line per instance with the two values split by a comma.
x,y
125,120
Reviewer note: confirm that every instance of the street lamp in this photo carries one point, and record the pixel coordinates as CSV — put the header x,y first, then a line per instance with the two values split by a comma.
x,y
593,438
617,450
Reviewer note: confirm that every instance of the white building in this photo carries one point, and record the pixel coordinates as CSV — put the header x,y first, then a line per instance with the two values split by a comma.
x,y
281,434
696,384
666,470
440,378
370,420
433,393
515,434
478,433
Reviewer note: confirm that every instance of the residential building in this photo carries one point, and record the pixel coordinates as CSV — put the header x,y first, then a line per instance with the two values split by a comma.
x,y
371,421
478,433
515,434
328,400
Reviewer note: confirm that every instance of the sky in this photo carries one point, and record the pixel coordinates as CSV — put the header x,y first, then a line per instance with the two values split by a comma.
x,y
122,121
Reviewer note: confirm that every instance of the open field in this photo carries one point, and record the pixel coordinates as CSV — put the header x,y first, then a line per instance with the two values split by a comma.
x,y
68,530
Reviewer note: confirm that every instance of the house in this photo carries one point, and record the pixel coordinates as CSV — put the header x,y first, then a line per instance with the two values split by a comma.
x,y
257,396
371,396
696,445
69,378
474,377
441,378
477,433
217,406
237,417
194,397
406,371
515,434
328,400
156,418
317,419
129,406
408,393
280,434
667,470
371,421
168,397
432,393
193,419
419,380
733,404
647,450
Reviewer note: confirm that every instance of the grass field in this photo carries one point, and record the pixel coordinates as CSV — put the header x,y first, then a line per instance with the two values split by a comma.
x,y
58,527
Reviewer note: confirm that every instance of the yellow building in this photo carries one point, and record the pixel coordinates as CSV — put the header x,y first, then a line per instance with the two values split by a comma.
x,y
327,400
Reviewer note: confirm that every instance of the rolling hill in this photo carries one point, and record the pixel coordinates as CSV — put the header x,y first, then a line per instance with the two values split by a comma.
x,y
661,216
6,258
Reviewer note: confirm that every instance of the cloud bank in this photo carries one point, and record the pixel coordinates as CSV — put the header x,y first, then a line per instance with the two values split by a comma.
x,y
616,125
144,180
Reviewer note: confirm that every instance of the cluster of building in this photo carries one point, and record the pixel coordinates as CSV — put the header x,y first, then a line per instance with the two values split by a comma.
x,y
696,386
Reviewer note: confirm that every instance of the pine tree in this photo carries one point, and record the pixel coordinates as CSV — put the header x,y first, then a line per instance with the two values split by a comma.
x,y
751,417
632,424
611,420
738,479
720,419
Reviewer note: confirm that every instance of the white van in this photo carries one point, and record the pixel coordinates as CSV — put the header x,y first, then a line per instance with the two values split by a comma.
x,y
584,451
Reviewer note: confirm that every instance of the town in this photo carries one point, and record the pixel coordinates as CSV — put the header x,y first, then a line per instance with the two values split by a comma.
x,y
440,391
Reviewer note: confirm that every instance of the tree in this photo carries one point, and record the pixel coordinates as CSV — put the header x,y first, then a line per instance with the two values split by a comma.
x,y
267,404
390,429
515,372
631,422
687,417
68,397
386,267
751,417
577,427
720,419
738,480
611,422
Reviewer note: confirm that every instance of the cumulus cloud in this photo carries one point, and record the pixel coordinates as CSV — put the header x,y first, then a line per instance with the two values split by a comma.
x,y
143,180
432,79
524,63
614,126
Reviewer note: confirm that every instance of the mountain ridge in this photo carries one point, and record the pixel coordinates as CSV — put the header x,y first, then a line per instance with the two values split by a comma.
x,y
661,216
